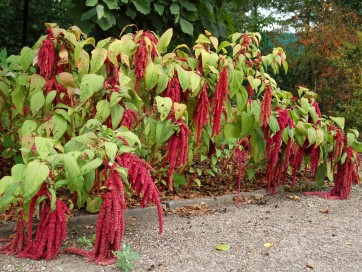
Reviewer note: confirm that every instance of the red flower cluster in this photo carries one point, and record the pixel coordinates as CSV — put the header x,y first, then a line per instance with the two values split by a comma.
x,y
112,79
201,112
221,96
129,117
177,150
173,90
266,112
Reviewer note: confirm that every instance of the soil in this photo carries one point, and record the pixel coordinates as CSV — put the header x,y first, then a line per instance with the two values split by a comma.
x,y
284,232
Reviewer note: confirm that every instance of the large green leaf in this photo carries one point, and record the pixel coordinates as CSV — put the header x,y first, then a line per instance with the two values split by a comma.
x,y
103,111
27,56
72,172
111,150
164,105
34,175
92,165
89,85
247,124
60,126
164,40
151,76
142,6
37,102
339,121
44,146
186,27
99,55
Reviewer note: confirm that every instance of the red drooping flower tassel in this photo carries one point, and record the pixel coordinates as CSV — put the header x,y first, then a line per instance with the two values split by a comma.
x,y
173,90
52,230
316,106
17,243
241,149
343,178
110,223
314,159
112,80
177,150
201,112
130,116
266,112
298,155
142,182
46,57
273,148
221,95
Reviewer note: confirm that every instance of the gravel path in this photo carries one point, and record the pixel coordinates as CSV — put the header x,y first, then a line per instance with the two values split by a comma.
x,y
306,233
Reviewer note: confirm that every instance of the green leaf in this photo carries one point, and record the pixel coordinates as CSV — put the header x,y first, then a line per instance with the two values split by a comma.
x,y
186,27
91,3
27,128
37,102
89,85
142,6
44,146
5,182
60,126
231,131
273,124
305,104
312,136
338,120
159,8
195,80
35,174
189,6
164,105
175,8
222,247
99,55
37,83
90,166
164,40
164,130
27,56
111,150
100,11
94,204
247,124
111,4
103,111
8,196
116,115
72,172
151,76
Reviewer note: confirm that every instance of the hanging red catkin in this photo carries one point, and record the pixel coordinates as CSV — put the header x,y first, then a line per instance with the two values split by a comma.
x,y
141,181
265,111
110,223
46,57
177,150
130,116
273,147
241,149
287,152
173,90
112,80
52,230
221,96
343,178
17,243
201,112
314,159
316,106
298,155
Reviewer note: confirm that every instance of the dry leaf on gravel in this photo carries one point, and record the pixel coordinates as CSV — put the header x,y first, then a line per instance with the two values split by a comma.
x,y
193,210
294,197
310,264
269,244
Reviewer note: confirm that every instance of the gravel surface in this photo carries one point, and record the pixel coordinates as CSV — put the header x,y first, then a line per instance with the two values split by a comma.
x,y
303,234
